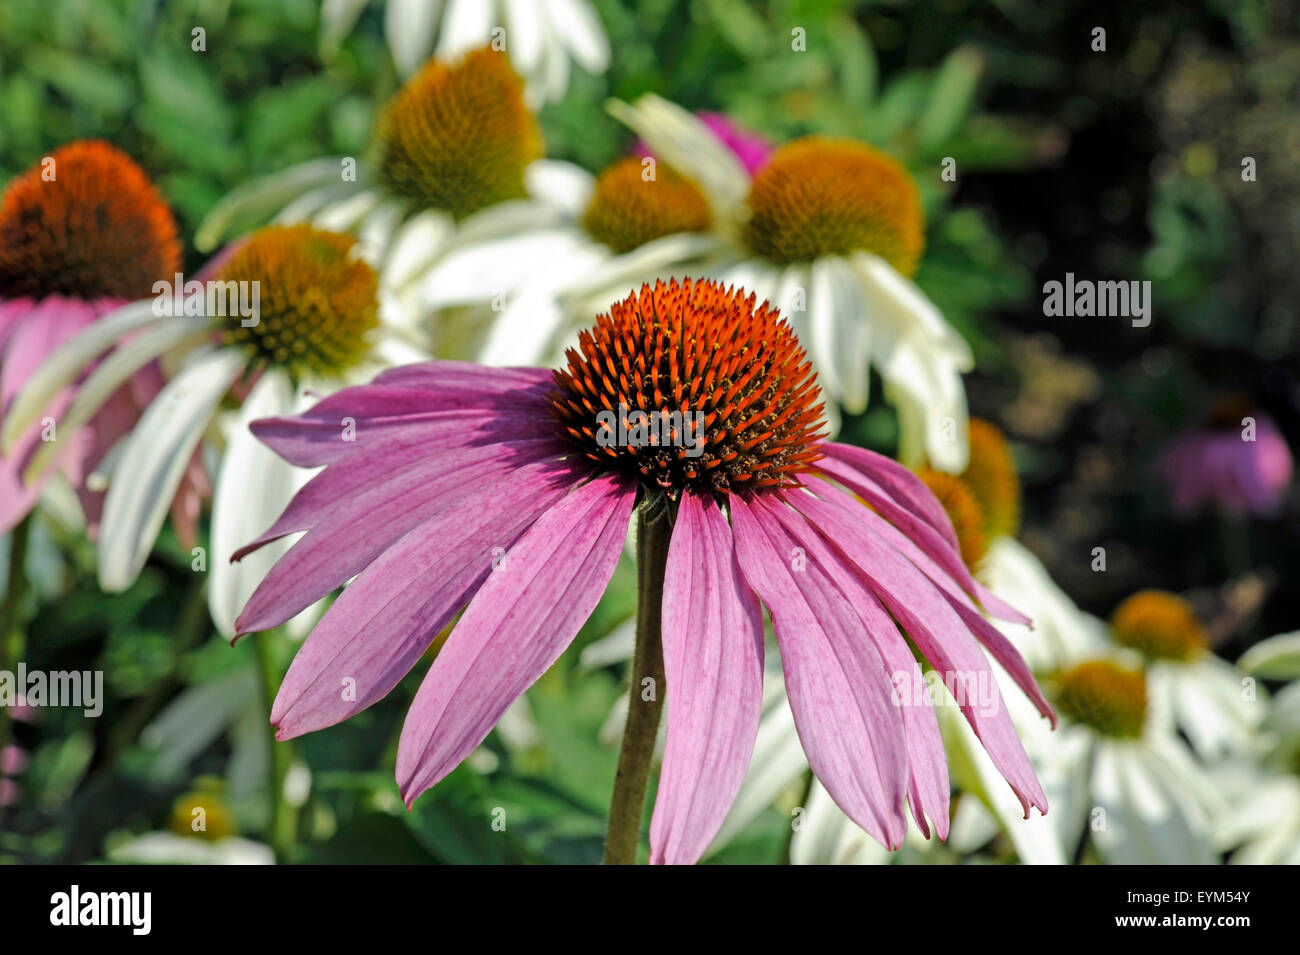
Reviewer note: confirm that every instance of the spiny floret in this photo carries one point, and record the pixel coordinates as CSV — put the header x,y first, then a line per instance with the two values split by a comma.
x,y
1104,696
1160,625
459,137
626,210
820,196
692,349
318,300
85,222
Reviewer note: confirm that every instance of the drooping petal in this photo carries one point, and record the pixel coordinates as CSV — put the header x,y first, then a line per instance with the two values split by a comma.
x,y
496,479
59,369
154,461
713,664
843,521
387,618
684,142
516,626
837,682
247,466
924,543
929,619
927,768
111,373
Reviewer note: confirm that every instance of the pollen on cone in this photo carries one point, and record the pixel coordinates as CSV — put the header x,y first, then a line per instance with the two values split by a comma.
x,y
719,379
85,222
627,210
1159,624
820,196
458,137
318,300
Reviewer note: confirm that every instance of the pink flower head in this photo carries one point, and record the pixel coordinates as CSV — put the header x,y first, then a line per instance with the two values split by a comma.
x,y
13,761
508,492
748,146
81,234
1240,463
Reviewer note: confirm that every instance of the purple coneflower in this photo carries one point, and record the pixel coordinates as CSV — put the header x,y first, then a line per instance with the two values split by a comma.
x,y
1238,462
82,233
510,491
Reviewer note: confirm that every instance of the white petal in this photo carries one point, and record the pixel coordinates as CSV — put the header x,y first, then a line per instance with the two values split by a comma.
x,y
257,201
409,27
561,184
337,18
828,837
153,462
344,216
579,28
615,647
682,141
66,365
467,24
483,271
417,243
1277,658
108,376
525,29
252,489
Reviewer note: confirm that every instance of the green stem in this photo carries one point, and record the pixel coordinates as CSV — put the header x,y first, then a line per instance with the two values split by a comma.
x,y
11,636
627,807
283,824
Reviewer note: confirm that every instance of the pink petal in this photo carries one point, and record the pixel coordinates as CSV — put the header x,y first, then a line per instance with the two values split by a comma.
x,y
381,624
928,788
842,523
713,665
838,684
929,619
920,534
895,482
445,401
365,525
516,626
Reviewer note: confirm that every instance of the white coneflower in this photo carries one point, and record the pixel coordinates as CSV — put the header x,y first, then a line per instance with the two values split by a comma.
x,y
456,160
543,37
315,327
831,231
1192,690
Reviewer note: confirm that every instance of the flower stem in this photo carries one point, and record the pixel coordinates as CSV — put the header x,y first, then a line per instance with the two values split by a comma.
x,y
627,807
282,823
11,638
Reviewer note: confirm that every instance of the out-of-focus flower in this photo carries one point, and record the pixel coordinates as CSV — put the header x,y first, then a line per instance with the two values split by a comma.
x,y
1262,826
622,228
13,763
303,319
524,519
457,160
200,831
752,149
831,231
1191,688
82,233
541,36
1112,772
1240,463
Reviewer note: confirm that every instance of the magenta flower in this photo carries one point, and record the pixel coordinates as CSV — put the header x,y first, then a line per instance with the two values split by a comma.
x,y
510,491
1241,464
746,145
81,234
